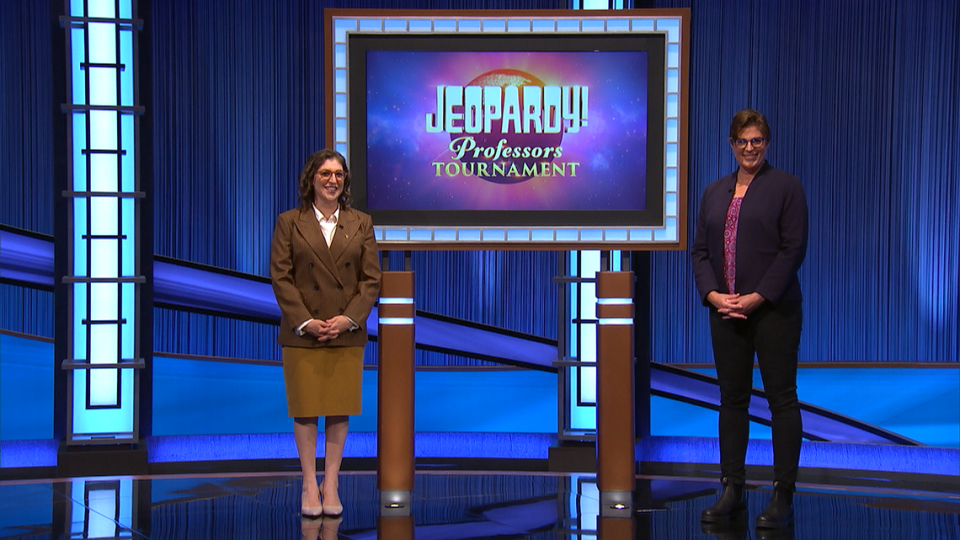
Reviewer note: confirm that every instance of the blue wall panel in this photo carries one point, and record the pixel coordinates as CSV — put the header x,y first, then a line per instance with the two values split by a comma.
x,y
195,397
26,389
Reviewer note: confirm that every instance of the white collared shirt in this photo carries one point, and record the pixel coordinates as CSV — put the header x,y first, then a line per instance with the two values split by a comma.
x,y
328,225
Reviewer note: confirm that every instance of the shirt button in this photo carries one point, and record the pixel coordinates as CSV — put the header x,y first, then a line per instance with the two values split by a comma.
x,y
347,265
315,312
316,288
310,265
340,311
339,287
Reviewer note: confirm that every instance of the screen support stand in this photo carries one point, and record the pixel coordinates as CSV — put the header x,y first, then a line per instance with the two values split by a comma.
x,y
616,441
405,255
395,389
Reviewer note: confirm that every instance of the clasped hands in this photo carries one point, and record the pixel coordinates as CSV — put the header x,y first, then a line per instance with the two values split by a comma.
x,y
328,329
735,306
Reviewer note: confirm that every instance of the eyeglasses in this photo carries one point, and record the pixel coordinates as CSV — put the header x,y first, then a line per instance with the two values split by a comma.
x,y
325,175
742,143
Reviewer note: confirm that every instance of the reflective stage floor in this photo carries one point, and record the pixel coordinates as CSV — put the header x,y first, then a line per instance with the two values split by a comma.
x,y
448,506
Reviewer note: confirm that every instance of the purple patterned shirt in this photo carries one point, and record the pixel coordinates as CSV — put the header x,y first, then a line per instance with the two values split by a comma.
x,y
730,244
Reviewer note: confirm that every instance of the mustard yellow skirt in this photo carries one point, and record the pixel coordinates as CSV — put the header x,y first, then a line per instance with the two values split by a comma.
x,y
324,381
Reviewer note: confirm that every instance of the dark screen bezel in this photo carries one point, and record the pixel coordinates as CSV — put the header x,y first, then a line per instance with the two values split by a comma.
x,y
653,43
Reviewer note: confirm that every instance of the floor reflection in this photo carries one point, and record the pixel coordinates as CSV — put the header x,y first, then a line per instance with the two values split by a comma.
x,y
449,506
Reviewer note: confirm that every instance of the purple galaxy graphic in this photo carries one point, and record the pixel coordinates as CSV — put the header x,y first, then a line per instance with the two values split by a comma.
x,y
595,159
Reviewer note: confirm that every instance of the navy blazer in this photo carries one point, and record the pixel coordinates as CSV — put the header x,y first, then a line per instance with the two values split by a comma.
x,y
771,236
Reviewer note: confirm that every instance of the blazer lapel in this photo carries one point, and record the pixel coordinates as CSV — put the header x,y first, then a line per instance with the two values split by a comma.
x,y
347,226
310,229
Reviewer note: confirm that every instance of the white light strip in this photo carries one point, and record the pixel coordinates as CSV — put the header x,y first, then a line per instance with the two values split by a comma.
x,y
614,301
386,301
615,322
396,321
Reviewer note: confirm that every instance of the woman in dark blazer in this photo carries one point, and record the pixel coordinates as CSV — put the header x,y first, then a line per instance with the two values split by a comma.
x,y
751,237
326,276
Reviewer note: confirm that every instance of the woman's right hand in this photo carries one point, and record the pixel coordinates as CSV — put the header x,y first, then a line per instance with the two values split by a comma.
x,y
318,329
327,330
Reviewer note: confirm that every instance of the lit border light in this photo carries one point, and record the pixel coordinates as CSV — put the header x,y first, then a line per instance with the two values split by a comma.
x,y
103,276
429,22
396,321
614,302
400,301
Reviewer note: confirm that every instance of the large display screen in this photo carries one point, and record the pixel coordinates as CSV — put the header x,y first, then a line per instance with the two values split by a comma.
x,y
504,130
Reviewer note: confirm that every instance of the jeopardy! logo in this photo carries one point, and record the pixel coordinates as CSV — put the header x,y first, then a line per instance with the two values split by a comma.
x,y
506,126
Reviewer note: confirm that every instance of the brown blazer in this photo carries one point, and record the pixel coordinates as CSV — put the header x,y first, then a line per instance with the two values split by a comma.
x,y
313,281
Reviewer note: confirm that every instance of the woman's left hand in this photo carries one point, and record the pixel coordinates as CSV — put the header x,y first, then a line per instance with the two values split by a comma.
x,y
745,305
333,327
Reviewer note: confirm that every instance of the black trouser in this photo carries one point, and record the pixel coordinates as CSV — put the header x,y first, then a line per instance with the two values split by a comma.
x,y
773,333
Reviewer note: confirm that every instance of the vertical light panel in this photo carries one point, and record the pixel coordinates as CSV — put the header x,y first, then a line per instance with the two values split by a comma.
x,y
582,346
101,509
578,340
103,274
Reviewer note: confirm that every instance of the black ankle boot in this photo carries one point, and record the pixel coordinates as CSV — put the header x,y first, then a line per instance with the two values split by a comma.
x,y
728,506
779,513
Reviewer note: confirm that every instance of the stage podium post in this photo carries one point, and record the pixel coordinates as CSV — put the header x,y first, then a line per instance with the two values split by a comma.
x,y
395,385
616,528
616,440
395,528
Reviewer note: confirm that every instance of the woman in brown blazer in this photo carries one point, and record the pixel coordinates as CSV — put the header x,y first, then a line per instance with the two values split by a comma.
x,y
326,277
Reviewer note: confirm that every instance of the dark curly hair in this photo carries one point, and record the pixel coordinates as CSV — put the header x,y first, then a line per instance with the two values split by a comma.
x,y
310,168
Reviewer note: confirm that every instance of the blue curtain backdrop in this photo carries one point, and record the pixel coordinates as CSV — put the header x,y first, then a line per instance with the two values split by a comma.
x,y
238,103
27,114
863,99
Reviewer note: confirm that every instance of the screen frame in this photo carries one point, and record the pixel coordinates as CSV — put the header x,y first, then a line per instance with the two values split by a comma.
x,y
675,23
654,45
